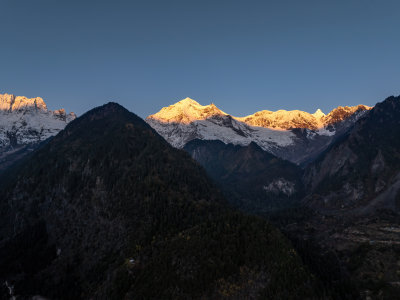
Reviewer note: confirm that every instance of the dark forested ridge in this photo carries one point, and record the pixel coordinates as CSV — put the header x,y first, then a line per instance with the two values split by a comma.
x,y
108,210
354,188
361,173
251,178
346,227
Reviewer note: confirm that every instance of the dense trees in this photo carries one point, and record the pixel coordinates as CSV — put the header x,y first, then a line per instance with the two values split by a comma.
x,y
120,213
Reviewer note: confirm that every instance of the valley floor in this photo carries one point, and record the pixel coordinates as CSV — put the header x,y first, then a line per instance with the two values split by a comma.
x,y
366,252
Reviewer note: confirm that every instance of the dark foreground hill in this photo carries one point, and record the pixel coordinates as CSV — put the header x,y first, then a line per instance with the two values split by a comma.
x,y
108,210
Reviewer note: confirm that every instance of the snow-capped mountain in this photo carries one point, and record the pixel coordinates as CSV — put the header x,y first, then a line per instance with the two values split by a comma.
x,y
27,121
188,120
293,135
283,119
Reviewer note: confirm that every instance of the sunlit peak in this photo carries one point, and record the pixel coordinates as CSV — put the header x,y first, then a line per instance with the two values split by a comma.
x,y
188,100
318,113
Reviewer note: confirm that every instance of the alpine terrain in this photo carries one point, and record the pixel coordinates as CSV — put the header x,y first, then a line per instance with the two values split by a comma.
x,y
354,190
107,209
24,123
293,135
113,205
337,194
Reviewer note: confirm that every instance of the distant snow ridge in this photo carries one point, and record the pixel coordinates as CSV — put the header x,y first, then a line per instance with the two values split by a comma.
x,y
27,121
188,120
286,134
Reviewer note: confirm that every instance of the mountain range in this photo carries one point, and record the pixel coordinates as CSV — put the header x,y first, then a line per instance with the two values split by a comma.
x,y
111,207
107,209
327,147
296,136
360,174
337,195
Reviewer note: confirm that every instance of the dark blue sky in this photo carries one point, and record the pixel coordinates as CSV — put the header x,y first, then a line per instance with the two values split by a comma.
x,y
242,55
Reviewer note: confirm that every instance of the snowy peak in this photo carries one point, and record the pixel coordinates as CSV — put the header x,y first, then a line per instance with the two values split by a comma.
x,y
318,114
294,135
343,112
282,119
186,111
26,121
19,103
187,120
188,101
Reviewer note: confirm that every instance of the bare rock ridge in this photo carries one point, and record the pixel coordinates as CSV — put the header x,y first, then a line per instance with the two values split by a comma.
x,y
283,119
293,135
25,122
17,103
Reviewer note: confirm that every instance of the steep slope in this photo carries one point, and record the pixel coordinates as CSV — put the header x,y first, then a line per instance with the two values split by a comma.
x,y
341,113
109,210
360,173
355,188
24,123
293,135
251,178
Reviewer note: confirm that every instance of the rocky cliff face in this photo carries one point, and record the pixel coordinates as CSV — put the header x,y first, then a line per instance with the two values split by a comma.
x,y
353,189
14,103
293,135
25,122
360,172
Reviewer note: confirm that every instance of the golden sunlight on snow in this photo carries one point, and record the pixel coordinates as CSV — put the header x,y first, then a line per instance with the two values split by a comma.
x,y
188,110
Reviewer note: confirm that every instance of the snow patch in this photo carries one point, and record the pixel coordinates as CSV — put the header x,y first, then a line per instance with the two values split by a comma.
x,y
281,185
325,131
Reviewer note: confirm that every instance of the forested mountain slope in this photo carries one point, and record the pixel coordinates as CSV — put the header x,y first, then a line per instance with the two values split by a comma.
x,y
108,210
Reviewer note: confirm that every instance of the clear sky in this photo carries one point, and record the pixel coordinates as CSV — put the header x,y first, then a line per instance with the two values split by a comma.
x,y
244,56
